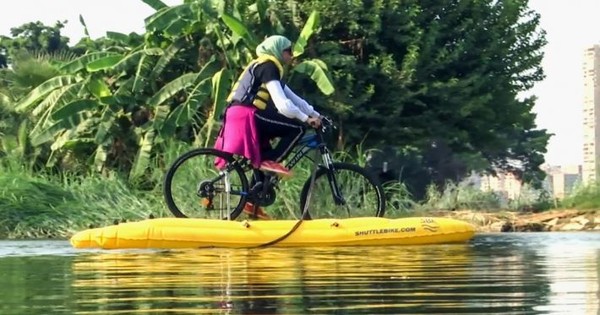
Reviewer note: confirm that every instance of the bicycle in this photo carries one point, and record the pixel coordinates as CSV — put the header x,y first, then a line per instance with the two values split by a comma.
x,y
203,191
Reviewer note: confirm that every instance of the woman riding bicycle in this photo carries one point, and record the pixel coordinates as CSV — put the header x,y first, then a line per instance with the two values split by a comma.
x,y
261,108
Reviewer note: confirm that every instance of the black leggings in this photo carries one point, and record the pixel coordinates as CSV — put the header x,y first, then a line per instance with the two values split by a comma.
x,y
272,124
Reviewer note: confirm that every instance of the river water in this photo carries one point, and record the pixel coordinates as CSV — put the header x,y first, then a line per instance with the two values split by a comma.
x,y
511,273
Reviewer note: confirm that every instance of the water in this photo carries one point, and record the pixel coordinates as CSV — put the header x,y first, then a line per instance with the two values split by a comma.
x,y
542,273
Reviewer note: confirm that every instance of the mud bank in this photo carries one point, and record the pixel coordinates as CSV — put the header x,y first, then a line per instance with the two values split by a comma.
x,y
508,221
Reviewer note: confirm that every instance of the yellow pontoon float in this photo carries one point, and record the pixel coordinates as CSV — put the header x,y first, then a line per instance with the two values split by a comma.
x,y
196,233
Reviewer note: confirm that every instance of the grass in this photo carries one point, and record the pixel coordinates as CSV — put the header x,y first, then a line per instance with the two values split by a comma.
x,y
584,197
38,205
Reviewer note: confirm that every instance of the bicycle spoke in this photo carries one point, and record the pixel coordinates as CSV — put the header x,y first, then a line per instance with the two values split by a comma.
x,y
199,190
360,195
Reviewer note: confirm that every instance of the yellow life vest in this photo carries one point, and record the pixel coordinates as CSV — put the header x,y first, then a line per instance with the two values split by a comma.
x,y
243,90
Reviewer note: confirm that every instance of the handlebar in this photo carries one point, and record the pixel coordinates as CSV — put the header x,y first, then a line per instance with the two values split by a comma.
x,y
326,121
326,124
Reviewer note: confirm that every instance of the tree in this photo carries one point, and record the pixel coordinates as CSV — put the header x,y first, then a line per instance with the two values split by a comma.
x,y
33,39
409,72
37,37
120,104
416,75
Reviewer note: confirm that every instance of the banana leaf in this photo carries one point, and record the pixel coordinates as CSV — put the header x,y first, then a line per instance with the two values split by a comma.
x,y
44,89
158,123
166,58
142,159
311,26
83,61
120,38
100,156
167,16
103,63
109,115
182,114
155,4
238,28
73,109
98,88
317,71
172,88
221,84
132,59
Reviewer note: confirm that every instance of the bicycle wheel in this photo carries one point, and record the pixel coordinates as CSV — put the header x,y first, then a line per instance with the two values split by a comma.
x,y
362,195
195,188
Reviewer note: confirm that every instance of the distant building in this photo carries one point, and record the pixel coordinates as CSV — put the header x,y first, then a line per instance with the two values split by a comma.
x,y
561,180
505,184
591,114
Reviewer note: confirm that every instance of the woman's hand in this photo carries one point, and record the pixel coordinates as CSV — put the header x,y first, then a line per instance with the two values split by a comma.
x,y
314,122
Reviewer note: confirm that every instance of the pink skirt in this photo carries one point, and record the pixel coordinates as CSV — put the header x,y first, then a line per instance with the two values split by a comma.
x,y
239,135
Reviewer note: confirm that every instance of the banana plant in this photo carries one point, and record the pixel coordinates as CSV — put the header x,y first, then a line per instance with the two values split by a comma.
x,y
316,69
237,37
83,109
94,104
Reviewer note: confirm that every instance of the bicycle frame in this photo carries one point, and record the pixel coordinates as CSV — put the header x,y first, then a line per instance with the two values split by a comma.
x,y
304,146
312,142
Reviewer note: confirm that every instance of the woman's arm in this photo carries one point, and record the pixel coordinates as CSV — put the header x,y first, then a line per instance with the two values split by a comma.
x,y
284,105
300,102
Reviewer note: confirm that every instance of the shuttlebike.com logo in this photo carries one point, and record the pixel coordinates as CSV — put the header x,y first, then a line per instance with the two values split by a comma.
x,y
384,231
429,224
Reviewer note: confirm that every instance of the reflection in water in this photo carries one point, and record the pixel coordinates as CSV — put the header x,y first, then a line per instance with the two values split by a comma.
x,y
503,273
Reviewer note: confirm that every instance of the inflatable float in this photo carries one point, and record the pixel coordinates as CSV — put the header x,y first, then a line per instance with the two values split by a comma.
x,y
169,233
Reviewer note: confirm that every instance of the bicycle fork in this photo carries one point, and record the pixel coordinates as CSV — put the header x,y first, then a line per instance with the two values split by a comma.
x,y
333,184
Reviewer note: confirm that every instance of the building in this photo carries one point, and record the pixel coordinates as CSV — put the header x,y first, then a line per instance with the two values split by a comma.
x,y
591,114
505,184
561,180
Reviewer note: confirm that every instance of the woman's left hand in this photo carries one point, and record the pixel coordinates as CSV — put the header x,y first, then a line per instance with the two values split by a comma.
x,y
314,122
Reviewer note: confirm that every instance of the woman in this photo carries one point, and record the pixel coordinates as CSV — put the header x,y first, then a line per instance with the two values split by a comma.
x,y
262,107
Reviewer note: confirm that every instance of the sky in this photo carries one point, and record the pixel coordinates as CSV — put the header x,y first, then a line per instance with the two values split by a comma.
x,y
571,27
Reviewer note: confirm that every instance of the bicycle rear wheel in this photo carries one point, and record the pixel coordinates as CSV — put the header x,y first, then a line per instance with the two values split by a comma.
x,y
195,188
362,195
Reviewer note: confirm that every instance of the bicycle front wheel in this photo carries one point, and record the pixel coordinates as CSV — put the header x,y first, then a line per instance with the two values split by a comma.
x,y
195,188
359,194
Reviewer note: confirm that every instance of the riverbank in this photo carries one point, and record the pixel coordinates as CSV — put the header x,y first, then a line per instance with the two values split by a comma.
x,y
511,221
44,206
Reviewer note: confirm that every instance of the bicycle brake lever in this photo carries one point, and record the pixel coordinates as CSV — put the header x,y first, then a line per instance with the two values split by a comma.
x,y
327,123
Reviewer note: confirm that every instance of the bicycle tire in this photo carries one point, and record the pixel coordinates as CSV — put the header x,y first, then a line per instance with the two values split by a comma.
x,y
322,197
196,167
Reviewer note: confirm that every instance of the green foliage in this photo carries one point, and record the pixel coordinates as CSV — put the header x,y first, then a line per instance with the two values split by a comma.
x,y
317,71
41,206
27,71
30,204
423,74
439,82
123,98
239,29
584,197
457,196
155,4
34,37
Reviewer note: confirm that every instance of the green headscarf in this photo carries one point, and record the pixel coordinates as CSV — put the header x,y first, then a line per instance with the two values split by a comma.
x,y
273,46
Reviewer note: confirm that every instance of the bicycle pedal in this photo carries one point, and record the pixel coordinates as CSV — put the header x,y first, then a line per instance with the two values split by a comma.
x,y
205,202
